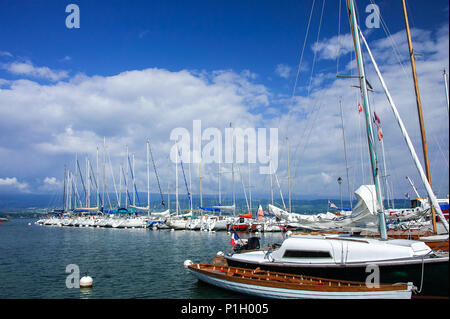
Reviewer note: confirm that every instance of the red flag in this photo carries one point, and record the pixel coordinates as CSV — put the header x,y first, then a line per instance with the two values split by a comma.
x,y
376,119
380,134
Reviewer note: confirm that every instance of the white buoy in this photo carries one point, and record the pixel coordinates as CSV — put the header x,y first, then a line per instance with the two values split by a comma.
x,y
29,224
86,281
187,263
219,253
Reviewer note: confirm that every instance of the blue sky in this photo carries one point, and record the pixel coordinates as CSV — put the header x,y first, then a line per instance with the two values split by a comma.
x,y
116,36
244,53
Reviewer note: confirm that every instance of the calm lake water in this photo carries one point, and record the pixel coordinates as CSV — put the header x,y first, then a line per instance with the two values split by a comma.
x,y
124,263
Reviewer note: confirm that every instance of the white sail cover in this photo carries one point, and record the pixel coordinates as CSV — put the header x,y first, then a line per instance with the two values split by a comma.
x,y
232,207
367,205
146,208
182,215
165,213
364,212
301,218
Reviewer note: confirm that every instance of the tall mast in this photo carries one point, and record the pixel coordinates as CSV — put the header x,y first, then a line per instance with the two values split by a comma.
x,y
200,171
120,186
168,184
345,152
446,90
271,179
126,179
249,187
289,174
148,179
413,187
190,187
218,176
104,174
419,108
367,111
97,181
69,191
232,174
176,182
64,191
88,184
134,181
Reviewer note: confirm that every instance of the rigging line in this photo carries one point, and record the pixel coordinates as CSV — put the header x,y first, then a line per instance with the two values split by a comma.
x,y
126,184
315,51
156,173
243,187
440,149
95,182
339,38
310,82
307,140
184,176
391,39
82,181
134,182
112,174
299,67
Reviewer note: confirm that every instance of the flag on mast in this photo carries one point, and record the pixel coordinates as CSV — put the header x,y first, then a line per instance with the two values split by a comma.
x,y
234,239
331,205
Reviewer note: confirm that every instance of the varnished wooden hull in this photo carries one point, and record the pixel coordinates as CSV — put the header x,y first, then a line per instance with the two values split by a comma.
x,y
435,274
280,285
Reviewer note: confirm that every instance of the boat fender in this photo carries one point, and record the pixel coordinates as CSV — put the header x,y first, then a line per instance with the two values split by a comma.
x,y
220,253
187,263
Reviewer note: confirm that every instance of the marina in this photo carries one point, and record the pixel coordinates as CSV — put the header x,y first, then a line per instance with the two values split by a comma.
x,y
137,207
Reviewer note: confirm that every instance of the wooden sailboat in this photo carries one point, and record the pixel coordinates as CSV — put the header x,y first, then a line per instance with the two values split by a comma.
x,y
260,283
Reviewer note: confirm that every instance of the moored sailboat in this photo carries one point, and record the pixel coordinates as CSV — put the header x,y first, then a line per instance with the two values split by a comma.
x,y
268,284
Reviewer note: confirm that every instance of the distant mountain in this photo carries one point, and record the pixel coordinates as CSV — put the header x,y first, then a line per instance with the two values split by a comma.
x,y
32,203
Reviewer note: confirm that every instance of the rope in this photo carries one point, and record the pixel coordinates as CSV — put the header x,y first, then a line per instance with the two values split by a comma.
x,y
157,178
308,94
393,44
339,38
298,69
418,291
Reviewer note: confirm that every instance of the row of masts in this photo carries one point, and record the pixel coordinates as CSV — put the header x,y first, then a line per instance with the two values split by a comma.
x,y
73,198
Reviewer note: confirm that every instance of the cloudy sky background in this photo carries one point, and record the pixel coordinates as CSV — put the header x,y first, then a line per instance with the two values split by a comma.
x,y
136,72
